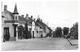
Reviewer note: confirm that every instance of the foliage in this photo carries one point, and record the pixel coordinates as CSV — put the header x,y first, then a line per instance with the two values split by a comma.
x,y
26,27
49,34
74,31
27,34
65,30
57,32
20,32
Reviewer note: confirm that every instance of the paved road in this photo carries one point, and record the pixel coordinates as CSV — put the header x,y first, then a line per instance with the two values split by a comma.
x,y
39,44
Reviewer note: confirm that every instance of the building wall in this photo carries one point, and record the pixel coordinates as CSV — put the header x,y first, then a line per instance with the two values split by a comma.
x,y
39,32
7,17
11,29
16,17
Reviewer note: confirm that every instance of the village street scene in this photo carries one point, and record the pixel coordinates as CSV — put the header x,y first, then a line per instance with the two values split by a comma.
x,y
25,32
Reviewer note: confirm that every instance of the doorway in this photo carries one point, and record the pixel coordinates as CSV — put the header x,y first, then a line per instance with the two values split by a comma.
x,y
6,35
15,30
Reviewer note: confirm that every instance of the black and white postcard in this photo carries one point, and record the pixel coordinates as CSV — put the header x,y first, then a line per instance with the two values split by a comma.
x,y
39,25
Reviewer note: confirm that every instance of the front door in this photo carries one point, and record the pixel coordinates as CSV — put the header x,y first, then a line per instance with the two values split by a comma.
x,y
6,34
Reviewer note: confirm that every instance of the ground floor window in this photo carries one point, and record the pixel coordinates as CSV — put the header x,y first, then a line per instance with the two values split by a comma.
x,y
37,31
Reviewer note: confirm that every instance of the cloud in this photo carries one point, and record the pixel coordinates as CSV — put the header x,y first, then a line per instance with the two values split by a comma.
x,y
59,13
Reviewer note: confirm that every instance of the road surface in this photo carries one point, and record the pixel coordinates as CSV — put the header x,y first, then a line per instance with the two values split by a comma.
x,y
40,44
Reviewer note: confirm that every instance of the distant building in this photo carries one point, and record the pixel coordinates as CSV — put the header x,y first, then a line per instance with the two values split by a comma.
x,y
41,29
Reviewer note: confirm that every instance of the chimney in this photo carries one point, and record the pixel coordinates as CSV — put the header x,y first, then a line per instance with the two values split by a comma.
x,y
31,17
5,7
26,15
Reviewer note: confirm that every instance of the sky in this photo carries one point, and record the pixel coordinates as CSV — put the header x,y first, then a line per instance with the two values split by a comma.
x,y
55,13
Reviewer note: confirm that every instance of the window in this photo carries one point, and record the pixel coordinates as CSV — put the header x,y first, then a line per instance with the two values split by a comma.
x,y
2,16
29,29
37,31
16,17
40,27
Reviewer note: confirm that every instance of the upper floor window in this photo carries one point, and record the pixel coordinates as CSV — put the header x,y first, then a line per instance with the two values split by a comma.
x,y
29,29
37,31
16,17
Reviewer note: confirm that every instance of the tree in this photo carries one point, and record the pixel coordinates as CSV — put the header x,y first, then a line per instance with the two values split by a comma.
x,y
26,31
27,34
58,32
49,34
74,31
20,32
54,34
65,32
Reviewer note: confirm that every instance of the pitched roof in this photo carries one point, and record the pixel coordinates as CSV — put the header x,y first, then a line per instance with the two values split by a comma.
x,y
25,20
8,12
40,24
29,20
11,14
21,20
